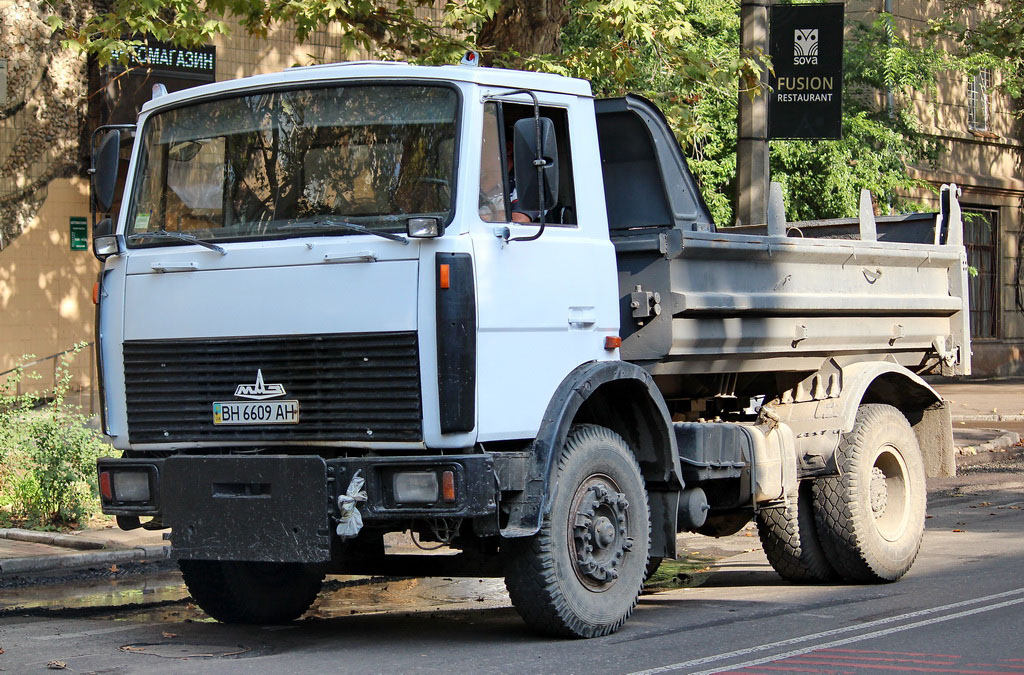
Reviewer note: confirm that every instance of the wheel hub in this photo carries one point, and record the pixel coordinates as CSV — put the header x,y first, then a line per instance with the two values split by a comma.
x,y
879,493
600,534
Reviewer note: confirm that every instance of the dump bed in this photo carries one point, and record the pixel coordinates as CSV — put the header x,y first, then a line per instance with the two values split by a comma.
x,y
698,301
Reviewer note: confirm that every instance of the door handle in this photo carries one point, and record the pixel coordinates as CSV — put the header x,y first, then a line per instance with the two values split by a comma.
x,y
174,267
360,256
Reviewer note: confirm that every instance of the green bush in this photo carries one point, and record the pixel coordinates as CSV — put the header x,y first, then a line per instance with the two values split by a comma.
x,y
47,454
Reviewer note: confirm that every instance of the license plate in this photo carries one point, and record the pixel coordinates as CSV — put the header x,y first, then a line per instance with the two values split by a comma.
x,y
256,412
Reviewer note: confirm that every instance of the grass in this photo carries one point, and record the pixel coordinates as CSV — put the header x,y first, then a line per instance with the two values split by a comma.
x,y
687,572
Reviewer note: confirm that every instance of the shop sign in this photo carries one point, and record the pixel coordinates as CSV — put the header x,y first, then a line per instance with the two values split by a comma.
x,y
806,48
166,58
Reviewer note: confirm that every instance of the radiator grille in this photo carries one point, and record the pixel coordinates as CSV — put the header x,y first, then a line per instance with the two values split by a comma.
x,y
353,387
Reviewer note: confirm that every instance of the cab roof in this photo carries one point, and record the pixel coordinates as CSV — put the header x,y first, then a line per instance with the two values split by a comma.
x,y
379,70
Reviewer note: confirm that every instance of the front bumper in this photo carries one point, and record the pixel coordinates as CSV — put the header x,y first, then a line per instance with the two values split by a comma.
x,y
283,508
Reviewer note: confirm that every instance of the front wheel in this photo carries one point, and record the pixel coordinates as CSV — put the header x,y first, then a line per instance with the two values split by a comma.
x,y
581,574
251,592
870,518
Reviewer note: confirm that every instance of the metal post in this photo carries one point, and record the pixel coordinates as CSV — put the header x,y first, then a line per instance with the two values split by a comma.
x,y
752,174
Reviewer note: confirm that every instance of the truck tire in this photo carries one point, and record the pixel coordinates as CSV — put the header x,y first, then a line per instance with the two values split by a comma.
x,y
790,540
581,574
870,518
251,592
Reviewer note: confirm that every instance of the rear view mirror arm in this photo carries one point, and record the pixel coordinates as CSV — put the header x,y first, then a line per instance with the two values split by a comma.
x,y
538,162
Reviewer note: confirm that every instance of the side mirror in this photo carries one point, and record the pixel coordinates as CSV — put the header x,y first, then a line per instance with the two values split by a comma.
x,y
526,151
104,170
104,241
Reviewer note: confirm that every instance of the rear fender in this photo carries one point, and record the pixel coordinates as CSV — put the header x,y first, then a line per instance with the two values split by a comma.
x,y
824,406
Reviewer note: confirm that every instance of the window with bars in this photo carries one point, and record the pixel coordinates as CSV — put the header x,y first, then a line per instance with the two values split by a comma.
x,y
980,238
977,100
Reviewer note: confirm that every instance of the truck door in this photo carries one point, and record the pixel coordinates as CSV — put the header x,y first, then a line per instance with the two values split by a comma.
x,y
544,306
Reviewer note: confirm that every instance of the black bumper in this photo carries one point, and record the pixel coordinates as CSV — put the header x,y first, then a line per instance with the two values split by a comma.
x,y
283,508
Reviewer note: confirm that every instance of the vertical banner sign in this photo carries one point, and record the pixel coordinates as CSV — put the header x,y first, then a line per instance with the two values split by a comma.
x,y
806,47
79,234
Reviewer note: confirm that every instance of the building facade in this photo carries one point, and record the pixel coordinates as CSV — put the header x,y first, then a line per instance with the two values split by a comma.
x,y
51,98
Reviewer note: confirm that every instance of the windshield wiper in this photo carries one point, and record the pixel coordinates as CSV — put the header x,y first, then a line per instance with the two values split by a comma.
x,y
180,236
331,223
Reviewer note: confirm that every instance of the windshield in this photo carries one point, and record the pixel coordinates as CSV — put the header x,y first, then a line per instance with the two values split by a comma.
x,y
262,166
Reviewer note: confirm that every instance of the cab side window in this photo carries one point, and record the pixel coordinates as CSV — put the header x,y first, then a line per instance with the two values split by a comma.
x,y
497,174
564,210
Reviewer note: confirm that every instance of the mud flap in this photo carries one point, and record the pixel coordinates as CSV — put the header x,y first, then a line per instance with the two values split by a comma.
x,y
257,508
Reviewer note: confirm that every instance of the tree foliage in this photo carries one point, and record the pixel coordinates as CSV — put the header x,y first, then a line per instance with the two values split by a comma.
x,y
987,35
682,54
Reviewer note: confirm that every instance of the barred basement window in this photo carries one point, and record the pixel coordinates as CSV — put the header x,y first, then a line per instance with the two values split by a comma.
x,y
980,237
977,100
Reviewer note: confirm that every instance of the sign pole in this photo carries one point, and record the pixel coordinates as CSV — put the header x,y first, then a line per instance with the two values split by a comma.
x,y
752,171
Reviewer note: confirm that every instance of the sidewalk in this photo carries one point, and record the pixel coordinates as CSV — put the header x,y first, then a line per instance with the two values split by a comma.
x,y
985,401
26,552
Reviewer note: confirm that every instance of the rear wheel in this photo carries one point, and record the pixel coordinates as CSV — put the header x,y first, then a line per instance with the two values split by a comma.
x,y
790,540
581,574
251,592
870,518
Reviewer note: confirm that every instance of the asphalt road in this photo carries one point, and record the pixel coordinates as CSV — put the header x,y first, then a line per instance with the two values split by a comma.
x,y
960,610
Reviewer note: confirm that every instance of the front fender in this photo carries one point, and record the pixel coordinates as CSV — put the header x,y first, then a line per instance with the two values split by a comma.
x,y
624,398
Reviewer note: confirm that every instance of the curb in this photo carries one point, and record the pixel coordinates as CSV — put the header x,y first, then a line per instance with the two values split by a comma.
x,y
50,538
988,418
42,563
1007,440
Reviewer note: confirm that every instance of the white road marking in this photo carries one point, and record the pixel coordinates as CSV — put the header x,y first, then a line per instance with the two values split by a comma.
x,y
866,636
839,631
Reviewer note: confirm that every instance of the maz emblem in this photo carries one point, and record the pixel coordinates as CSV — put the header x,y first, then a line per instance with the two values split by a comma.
x,y
259,391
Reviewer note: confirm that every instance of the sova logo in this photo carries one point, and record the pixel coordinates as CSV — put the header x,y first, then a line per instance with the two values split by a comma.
x,y
805,47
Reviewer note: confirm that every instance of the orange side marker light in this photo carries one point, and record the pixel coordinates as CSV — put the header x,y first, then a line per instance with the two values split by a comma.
x,y
444,274
448,486
612,342
96,293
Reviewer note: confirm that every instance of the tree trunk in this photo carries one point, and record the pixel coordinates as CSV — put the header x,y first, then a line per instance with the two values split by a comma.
x,y
524,26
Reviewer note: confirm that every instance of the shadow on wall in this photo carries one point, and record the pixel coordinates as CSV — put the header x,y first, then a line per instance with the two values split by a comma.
x,y
997,359
46,288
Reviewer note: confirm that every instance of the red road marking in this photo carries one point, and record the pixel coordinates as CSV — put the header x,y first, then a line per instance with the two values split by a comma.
x,y
782,668
876,658
868,651
916,669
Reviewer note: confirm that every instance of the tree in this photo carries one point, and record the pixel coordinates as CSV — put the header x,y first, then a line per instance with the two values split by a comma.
x,y
987,36
682,54
881,132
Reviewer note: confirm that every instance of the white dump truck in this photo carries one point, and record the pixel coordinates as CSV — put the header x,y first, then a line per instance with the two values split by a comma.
x,y
479,305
